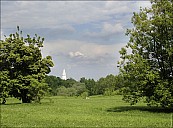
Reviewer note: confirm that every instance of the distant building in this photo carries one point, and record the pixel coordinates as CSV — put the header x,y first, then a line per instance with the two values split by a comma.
x,y
64,77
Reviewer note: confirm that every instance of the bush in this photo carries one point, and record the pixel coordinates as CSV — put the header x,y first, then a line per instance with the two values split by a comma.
x,y
84,95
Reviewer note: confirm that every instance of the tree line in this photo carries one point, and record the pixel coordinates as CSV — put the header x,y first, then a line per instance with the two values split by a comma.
x,y
110,85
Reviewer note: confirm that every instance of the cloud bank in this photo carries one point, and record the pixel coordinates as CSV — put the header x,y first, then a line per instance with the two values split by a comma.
x,y
83,37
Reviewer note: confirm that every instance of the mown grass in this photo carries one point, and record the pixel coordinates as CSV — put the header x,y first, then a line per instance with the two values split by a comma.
x,y
98,111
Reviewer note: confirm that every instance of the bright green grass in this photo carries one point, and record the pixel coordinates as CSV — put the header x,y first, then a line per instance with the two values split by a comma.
x,y
97,111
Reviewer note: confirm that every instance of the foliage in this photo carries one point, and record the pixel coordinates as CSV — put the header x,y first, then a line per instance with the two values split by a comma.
x,y
53,83
69,82
60,87
148,68
22,67
90,85
84,95
75,90
110,84
80,87
62,91
103,86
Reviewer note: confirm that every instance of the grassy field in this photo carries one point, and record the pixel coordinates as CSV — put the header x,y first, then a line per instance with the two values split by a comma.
x,y
98,111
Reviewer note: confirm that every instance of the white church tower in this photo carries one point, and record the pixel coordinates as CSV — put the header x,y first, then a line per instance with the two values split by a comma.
x,y
64,77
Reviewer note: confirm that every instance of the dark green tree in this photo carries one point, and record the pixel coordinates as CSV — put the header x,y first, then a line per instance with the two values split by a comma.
x,y
90,85
53,83
101,86
108,85
148,69
68,83
22,67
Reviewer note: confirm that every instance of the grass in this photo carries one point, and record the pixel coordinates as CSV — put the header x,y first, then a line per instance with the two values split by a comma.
x,y
98,111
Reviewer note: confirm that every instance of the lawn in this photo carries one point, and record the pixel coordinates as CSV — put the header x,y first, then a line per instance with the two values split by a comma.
x,y
98,111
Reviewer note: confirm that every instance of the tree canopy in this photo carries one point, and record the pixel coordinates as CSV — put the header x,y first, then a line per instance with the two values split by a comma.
x,y
148,68
22,67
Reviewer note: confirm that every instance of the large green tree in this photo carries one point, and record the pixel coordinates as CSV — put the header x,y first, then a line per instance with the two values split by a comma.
x,y
22,67
148,68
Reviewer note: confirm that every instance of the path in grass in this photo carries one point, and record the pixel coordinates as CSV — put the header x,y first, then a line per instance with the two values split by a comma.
x,y
97,111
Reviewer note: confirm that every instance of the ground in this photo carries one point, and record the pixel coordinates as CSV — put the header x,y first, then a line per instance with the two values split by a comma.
x,y
98,111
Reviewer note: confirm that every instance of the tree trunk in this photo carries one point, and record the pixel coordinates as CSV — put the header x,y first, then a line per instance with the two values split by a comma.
x,y
25,98
3,101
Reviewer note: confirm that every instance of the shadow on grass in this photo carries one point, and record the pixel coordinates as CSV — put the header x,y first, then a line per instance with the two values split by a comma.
x,y
140,108
11,104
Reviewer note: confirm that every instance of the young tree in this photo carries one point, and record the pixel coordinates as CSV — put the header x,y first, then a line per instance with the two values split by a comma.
x,y
22,67
148,69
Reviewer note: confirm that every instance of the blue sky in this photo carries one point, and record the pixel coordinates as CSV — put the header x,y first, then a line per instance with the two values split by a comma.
x,y
83,37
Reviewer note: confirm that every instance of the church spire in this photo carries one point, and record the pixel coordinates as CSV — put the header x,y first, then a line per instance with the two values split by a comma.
x,y
64,77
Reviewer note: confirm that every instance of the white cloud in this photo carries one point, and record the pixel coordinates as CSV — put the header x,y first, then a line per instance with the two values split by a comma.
x,y
81,52
142,4
116,7
115,28
107,30
65,27
76,54
40,14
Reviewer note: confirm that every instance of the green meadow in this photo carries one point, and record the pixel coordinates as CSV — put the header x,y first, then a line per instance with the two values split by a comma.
x,y
97,111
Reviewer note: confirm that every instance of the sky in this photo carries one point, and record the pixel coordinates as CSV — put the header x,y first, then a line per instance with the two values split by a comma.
x,y
83,37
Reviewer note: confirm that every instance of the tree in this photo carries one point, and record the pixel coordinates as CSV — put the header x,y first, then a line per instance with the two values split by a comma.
x,y
62,91
4,86
80,88
68,83
90,85
148,69
22,67
109,84
53,83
